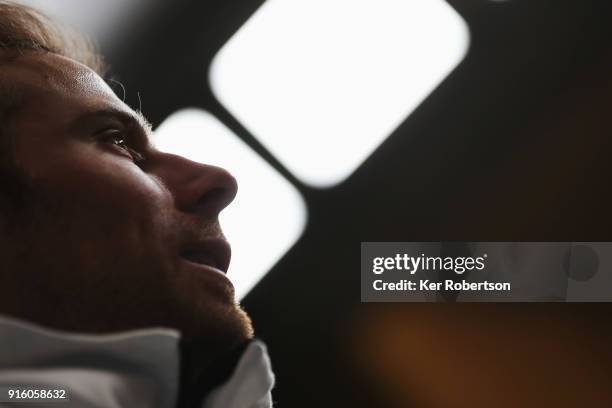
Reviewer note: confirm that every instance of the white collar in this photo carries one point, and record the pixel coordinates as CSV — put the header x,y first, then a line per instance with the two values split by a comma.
x,y
135,368
250,383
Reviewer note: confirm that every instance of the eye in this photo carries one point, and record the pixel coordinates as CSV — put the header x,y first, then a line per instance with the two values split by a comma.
x,y
116,138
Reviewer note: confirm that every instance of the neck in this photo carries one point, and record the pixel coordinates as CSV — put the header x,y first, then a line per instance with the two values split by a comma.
x,y
201,372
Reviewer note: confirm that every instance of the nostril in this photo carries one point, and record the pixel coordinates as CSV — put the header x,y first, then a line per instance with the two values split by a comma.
x,y
212,194
214,200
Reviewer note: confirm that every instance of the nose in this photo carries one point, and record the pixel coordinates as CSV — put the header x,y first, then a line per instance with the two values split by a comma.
x,y
197,188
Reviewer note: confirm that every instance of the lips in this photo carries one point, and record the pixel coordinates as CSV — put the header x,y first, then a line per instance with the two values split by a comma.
x,y
211,252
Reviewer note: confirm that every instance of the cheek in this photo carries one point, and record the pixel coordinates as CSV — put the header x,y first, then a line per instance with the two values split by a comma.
x,y
105,198
90,173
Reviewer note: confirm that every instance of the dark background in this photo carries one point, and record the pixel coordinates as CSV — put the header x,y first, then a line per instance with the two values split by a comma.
x,y
514,145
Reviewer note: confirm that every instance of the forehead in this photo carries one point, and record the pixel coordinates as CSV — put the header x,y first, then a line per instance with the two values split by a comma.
x,y
57,85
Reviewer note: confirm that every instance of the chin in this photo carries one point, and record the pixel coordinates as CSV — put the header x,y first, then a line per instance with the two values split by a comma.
x,y
200,305
219,326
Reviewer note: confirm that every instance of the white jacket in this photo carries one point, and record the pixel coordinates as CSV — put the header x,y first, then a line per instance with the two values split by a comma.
x,y
136,369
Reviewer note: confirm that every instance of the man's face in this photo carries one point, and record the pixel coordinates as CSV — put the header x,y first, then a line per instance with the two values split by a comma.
x,y
107,240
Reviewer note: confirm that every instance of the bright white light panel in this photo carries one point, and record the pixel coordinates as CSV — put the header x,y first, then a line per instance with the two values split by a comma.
x,y
322,83
268,214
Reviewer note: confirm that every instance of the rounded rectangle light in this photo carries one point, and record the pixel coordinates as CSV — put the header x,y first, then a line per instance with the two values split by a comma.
x,y
322,83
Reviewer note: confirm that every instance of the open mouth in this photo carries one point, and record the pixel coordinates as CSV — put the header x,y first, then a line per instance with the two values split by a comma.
x,y
211,252
201,258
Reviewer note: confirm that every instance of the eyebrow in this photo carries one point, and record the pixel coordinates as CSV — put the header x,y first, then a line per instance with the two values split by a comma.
x,y
126,118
